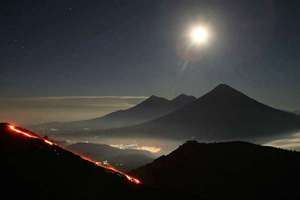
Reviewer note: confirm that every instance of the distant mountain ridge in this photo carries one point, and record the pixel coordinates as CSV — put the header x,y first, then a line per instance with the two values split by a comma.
x,y
228,170
222,114
125,159
151,108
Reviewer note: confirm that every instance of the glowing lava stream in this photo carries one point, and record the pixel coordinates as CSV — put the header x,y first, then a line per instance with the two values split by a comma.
x,y
100,164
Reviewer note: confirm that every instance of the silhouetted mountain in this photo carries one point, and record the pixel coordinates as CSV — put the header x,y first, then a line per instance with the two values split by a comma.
x,y
35,168
233,170
125,159
222,114
183,100
151,108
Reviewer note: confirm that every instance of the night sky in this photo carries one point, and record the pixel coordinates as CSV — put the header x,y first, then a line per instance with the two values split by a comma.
x,y
132,48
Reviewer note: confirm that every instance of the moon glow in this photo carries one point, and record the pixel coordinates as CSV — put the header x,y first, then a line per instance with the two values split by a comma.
x,y
199,35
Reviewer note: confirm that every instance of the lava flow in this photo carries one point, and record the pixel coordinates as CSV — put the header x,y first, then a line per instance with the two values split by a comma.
x,y
99,164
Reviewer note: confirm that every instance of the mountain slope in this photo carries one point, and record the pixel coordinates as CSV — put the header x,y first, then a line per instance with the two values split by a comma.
x,y
125,159
226,170
151,108
222,114
35,168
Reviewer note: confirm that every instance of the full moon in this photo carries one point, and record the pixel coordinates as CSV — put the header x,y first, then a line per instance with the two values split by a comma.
x,y
199,35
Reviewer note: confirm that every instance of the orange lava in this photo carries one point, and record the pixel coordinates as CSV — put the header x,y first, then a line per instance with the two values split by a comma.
x,y
100,164
22,132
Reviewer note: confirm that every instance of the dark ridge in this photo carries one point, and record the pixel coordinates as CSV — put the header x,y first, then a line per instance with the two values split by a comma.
x,y
227,170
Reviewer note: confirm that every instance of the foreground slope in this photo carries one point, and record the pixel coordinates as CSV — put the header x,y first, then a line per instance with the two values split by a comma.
x,y
226,170
150,109
222,114
36,168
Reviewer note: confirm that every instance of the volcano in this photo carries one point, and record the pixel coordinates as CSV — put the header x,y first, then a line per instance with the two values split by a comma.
x,y
222,114
151,108
37,168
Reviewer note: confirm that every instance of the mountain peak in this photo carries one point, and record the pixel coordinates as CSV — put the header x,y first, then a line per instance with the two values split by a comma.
x,y
224,91
224,87
183,99
183,96
150,102
155,99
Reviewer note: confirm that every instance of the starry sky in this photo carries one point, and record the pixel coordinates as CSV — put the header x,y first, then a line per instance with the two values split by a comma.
x,y
54,48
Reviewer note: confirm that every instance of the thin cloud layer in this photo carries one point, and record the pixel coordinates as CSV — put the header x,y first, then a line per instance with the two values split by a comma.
x,y
291,142
34,110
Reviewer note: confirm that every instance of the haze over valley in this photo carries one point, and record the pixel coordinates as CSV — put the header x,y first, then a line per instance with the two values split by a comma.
x,y
222,114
